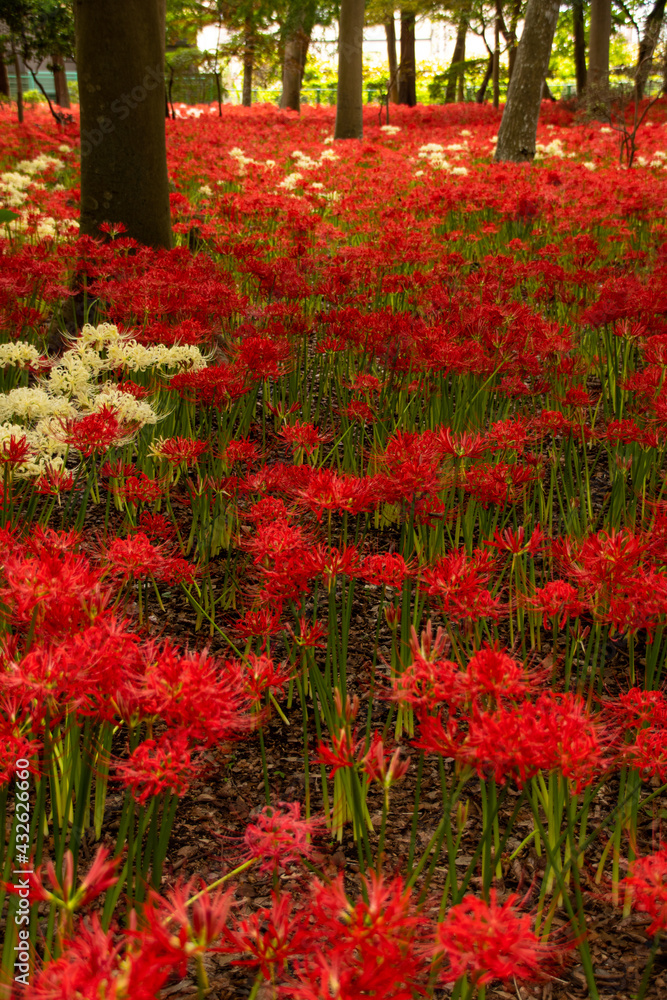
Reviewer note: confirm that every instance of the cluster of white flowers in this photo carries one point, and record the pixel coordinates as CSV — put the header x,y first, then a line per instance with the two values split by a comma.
x,y
432,152
14,184
19,354
291,181
390,129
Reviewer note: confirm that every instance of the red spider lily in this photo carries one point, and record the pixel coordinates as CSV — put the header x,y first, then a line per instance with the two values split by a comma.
x,y
333,562
344,752
52,592
362,948
190,691
498,484
647,882
13,747
95,963
100,876
387,569
279,836
261,675
377,765
557,600
491,673
359,410
138,489
302,436
457,581
271,936
240,450
179,450
648,753
217,385
309,634
462,445
54,481
634,708
426,683
516,542
487,941
135,557
156,527
157,766
327,491
96,432
191,919
15,451
260,622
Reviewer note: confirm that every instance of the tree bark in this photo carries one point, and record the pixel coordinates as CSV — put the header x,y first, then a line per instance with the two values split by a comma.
x,y
248,62
597,84
407,73
60,81
481,93
4,78
579,38
349,100
496,56
647,45
390,32
19,82
510,38
121,91
518,128
456,69
294,63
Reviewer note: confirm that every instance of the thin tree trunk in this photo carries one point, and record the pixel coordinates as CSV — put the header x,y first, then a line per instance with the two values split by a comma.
x,y
481,93
349,99
458,57
294,62
579,39
511,39
597,84
647,45
248,62
407,74
518,128
19,82
496,59
60,81
123,150
4,78
390,32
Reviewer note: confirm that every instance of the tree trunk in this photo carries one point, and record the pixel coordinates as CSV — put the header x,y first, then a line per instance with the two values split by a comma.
x,y
647,45
407,74
121,90
597,84
19,82
518,128
496,58
458,56
510,38
481,93
248,62
390,32
579,38
60,81
349,100
4,78
294,63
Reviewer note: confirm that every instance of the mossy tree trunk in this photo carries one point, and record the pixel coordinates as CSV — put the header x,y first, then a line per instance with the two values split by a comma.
x,y
122,97
349,101
518,128
407,73
652,27
599,36
579,45
390,33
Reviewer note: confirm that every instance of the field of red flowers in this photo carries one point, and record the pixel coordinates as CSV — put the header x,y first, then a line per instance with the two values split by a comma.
x,y
333,566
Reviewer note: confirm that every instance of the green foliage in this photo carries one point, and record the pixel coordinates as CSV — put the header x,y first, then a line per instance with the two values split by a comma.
x,y
33,97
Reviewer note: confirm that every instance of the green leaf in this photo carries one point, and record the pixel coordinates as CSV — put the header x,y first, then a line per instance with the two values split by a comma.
x,y
7,216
